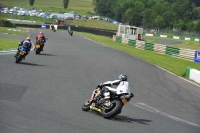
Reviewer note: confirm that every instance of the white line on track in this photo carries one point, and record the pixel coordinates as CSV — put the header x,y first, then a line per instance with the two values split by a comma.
x,y
154,110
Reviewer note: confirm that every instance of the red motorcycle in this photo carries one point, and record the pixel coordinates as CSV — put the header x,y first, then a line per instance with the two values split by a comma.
x,y
39,46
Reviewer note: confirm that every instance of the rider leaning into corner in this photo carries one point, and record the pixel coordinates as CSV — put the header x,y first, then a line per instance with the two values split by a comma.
x,y
40,36
25,43
100,88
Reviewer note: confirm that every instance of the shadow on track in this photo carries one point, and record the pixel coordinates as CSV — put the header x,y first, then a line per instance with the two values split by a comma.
x,y
47,54
29,64
121,118
127,119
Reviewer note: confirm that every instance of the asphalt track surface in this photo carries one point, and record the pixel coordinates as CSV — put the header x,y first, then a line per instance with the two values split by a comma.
x,y
44,93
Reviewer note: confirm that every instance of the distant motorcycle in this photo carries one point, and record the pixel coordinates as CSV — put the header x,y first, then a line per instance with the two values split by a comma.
x,y
21,54
53,28
70,32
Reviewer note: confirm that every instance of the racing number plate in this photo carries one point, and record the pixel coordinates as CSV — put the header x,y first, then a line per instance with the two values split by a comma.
x,y
124,101
37,46
21,53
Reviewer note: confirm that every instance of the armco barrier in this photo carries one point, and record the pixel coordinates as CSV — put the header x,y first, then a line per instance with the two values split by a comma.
x,y
74,28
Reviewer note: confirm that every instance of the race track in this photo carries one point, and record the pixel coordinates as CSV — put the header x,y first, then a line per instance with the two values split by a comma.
x,y
44,93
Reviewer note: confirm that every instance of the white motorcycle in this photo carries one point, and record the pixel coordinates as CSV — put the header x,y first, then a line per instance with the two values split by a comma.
x,y
111,100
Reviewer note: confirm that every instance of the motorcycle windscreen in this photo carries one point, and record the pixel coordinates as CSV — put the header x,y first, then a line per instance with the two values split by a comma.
x,y
123,87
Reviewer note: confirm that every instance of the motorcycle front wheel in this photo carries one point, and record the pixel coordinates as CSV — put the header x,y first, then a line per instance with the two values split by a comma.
x,y
86,106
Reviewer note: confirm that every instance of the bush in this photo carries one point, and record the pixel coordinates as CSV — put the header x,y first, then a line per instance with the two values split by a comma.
x,y
6,23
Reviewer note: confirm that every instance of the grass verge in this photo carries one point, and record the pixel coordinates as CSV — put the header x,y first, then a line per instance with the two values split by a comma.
x,y
174,65
15,31
93,24
79,22
6,43
186,44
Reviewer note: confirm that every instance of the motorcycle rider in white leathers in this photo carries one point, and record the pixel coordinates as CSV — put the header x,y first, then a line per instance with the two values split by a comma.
x,y
121,83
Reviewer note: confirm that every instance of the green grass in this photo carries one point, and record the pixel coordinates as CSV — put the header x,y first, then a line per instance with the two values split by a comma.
x,y
38,20
6,43
151,40
186,44
94,24
6,30
83,7
79,22
175,65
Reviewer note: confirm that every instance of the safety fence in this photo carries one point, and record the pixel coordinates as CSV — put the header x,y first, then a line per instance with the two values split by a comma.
x,y
187,54
95,31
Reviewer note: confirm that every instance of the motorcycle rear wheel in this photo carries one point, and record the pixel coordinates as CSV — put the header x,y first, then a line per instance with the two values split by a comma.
x,y
18,59
113,110
37,51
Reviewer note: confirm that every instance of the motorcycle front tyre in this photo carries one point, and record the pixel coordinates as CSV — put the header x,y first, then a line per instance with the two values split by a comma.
x,y
86,106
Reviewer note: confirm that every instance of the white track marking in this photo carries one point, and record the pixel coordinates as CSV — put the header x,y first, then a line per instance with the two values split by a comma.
x,y
154,110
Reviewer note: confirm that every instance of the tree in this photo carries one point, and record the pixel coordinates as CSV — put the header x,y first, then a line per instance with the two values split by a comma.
x,y
31,2
149,16
197,26
65,3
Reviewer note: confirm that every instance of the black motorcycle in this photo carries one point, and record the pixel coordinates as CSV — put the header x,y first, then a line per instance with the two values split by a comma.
x,y
108,108
39,46
21,54
53,28
70,32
